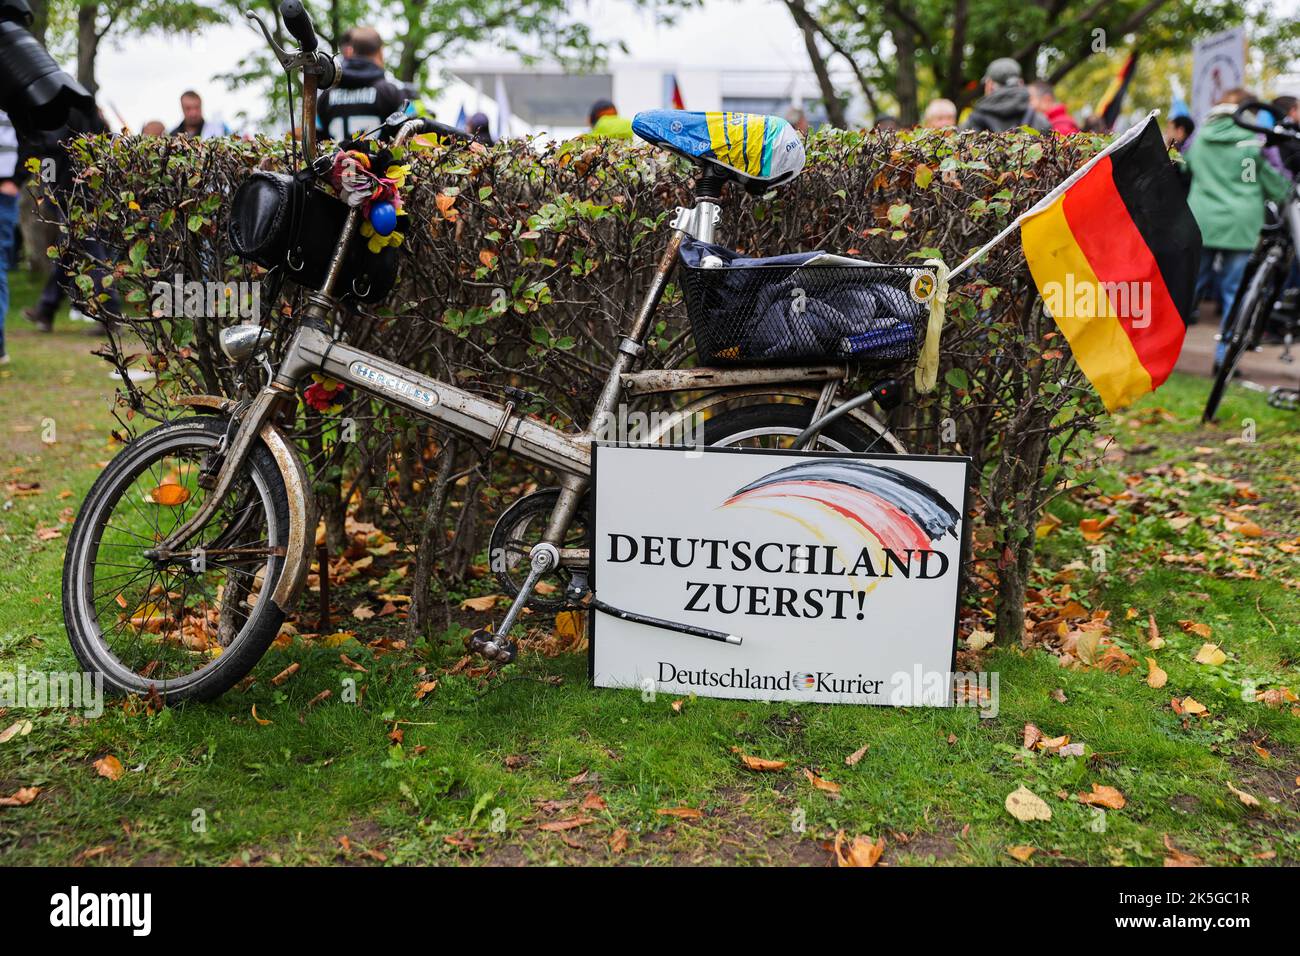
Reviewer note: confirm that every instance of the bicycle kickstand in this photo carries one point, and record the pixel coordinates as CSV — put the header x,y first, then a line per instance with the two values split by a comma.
x,y
497,646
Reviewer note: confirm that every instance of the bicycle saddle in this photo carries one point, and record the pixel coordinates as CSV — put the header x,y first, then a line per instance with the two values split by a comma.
x,y
754,150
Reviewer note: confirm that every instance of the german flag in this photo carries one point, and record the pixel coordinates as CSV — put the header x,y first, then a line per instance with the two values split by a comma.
x,y
1113,99
1114,252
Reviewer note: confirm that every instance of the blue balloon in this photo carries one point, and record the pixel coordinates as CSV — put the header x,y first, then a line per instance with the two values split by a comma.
x,y
383,218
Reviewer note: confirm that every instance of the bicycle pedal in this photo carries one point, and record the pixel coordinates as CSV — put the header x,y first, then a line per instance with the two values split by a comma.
x,y
499,650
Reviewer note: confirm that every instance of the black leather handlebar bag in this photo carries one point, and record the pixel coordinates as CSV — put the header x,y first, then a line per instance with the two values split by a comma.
x,y
282,221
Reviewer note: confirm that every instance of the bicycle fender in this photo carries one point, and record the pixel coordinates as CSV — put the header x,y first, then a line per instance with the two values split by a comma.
x,y
302,503
686,414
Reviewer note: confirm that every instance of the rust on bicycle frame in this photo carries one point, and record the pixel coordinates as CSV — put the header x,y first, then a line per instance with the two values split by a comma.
x,y
656,380
301,501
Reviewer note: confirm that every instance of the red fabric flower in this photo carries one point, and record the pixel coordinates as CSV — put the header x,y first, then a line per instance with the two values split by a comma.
x,y
323,395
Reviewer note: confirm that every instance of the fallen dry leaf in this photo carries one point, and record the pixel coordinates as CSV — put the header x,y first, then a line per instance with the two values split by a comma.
x,y
852,759
618,841
21,797
1032,736
1195,627
860,852
828,786
1093,528
556,826
1154,640
682,813
1177,857
109,766
260,720
1025,805
485,603
285,674
351,664
592,802
1102,796
1022,853
1243,796
1211,654
762,764
1156,676
17,728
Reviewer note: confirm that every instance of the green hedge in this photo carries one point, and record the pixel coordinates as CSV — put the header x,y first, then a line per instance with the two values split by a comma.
x,y
522,268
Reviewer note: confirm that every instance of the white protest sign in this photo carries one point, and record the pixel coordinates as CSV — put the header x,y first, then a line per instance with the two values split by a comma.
x,y
1218,65
840,573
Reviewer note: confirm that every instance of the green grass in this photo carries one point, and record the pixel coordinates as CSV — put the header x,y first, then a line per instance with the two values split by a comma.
x,y
210,784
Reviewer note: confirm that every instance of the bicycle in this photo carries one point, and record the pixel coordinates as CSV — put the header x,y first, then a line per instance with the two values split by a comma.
x,y
192,546
1262,281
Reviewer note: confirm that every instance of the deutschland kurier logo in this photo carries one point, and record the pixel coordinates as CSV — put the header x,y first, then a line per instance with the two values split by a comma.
x,y
803,681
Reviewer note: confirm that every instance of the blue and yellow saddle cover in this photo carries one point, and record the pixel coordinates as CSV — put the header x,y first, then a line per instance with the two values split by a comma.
x,y
765,149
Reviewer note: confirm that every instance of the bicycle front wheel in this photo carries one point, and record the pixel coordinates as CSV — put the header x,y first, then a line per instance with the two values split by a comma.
x,y
191,626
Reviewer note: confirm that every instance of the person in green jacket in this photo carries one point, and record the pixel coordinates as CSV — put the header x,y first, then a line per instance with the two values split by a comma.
x,y
605,121
1231,181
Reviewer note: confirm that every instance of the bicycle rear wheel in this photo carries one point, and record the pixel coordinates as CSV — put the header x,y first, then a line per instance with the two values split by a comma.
x,y
777,424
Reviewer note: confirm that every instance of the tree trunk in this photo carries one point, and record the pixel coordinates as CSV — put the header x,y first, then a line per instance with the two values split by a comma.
x,y
431,544
953,82
808,27
905,89
87,45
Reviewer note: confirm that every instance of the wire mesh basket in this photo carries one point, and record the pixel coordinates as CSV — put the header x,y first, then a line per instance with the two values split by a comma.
x,y
806,313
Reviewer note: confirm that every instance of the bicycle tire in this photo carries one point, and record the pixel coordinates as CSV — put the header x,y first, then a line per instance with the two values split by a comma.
x,y
781,421
1241,332
260,624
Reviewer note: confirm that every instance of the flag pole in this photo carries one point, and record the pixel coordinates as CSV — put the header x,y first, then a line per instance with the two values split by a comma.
x,y
1051,197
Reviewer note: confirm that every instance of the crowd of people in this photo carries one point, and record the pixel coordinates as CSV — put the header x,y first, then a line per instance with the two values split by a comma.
x,y
1231,176
1229,207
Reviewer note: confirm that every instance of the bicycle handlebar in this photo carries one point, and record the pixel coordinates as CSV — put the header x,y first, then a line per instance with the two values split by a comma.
x,y
1277,131
298,22
408,126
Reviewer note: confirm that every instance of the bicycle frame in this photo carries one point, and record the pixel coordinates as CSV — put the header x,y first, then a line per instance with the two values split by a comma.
x,y
312,349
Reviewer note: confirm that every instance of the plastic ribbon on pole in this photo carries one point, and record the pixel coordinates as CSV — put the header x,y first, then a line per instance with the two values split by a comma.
x,y
927,365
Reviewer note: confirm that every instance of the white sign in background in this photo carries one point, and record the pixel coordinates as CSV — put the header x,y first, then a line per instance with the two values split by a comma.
x,y
807,567
1218,65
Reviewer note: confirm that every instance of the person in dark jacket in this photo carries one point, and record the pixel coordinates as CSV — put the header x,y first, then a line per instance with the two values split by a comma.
x,y
365,95
53,147
11,177
479,129
1005,104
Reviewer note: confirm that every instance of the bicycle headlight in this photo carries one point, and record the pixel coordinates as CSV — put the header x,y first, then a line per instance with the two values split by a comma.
x,y
243,341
